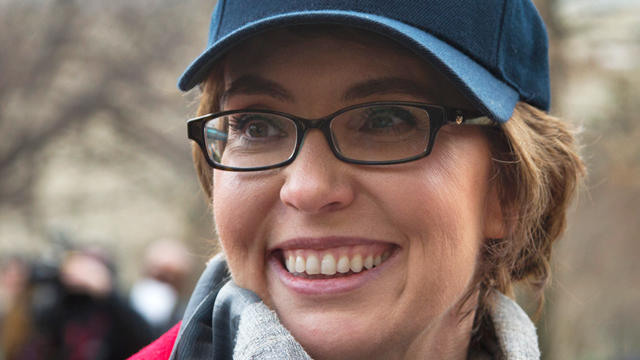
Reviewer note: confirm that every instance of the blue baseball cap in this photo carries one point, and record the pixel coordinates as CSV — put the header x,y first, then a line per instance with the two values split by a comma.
x,y
494,51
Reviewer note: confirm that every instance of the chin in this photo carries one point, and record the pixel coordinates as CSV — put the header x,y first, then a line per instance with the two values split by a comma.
x,y
334,335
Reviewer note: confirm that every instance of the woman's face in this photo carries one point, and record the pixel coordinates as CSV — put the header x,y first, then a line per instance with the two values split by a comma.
x,y
426,220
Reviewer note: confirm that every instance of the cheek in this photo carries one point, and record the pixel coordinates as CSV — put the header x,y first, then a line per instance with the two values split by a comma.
x,y
438,200
447,230
439,207
241,224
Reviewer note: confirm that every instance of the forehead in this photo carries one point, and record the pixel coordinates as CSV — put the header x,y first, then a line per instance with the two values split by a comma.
x,y
295,53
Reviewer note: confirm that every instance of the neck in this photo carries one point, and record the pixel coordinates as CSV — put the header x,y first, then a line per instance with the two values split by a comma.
x,y
449,338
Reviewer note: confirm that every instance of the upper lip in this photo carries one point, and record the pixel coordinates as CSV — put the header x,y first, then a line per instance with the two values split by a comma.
x,y
328,242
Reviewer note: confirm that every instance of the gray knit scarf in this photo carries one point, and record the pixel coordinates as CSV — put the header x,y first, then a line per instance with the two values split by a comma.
x,y
224,321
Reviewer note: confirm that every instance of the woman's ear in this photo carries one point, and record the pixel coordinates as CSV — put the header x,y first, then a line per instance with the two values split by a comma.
x,y
495,226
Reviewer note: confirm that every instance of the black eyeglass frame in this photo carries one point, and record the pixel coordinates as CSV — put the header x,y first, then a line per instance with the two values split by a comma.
x,y
443,115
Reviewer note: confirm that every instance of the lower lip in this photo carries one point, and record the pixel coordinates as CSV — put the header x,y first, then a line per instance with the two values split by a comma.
x,y
333,286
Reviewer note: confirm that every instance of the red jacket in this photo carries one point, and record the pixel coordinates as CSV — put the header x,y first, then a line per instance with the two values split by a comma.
x,y
159,349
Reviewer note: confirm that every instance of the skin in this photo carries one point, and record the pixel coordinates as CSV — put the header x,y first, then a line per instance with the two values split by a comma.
x,y
437,211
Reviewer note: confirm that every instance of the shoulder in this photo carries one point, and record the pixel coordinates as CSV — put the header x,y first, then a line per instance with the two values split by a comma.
x,y
160,348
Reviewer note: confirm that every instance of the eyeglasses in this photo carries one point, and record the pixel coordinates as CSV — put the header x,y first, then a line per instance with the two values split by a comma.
x,y
378,133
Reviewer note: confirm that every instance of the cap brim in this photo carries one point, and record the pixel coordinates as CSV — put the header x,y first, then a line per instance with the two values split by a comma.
x,y
490,95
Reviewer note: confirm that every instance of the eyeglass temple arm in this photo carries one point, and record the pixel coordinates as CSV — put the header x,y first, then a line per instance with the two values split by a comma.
x,y
462,117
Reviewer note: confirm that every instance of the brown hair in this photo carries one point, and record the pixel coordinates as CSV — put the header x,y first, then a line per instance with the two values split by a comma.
x,y
536,169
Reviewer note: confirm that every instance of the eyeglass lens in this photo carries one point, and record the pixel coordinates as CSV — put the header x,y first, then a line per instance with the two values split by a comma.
x,y
372,133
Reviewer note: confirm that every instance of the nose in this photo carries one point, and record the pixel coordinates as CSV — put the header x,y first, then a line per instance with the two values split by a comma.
x,y
316,181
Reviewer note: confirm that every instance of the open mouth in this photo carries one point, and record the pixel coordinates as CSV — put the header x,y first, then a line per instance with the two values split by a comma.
x,y
333,262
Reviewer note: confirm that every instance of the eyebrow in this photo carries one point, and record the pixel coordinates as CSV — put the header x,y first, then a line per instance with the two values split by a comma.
x,y
389,85
256,85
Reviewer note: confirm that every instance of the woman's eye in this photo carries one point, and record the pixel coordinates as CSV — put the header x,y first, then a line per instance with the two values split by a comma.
x,y
387,119
380,122
256,127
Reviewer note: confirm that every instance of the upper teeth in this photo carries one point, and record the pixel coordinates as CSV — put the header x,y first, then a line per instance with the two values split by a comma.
x,y
312,264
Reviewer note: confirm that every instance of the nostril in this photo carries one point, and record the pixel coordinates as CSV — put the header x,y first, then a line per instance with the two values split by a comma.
x,y
336,205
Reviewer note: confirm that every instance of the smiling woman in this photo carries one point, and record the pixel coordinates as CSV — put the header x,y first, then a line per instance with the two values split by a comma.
x,y
380,178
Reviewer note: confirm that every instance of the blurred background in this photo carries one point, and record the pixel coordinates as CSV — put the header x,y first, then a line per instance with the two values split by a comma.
x,y
96,174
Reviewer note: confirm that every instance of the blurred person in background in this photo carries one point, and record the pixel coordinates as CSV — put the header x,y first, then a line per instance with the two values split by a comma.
x,y
381,174
14,276
71,310
159,295
14,273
